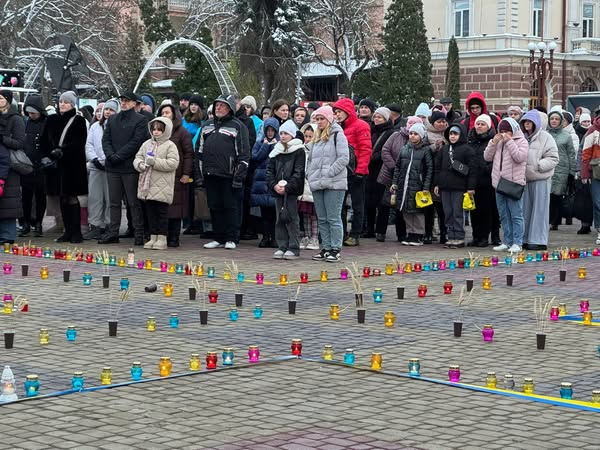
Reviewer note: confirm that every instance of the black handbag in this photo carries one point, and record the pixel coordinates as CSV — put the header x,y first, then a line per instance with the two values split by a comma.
x,y
20,162
458,166
284,216
507,187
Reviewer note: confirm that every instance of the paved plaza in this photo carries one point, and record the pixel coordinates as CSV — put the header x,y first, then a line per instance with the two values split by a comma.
x,y
285,403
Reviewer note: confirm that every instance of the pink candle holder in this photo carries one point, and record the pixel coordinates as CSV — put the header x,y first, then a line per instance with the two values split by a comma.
x,y
454,374
400,269
7,268
344,274
494,261
487,333
584,306
253,354
442,265
554,313
163,266
140,264
260,278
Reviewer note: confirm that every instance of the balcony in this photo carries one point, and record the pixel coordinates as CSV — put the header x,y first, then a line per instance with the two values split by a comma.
x,y
179,5
586,45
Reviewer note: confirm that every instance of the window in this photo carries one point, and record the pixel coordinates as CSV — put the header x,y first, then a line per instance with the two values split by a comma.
x,y
588,85
538,18
461,18
588,20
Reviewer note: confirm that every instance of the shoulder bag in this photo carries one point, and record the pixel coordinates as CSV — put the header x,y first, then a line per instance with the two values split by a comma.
x,y
47,163
20,162
458,166
507,187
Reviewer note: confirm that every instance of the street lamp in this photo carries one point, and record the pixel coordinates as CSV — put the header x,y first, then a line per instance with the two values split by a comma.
x,y
541,69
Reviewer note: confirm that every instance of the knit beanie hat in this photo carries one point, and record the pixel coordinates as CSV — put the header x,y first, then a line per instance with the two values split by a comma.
x,y
412,120
423,110
437,115
484,118
584,116
112,104
248,100
324,111
288,127
568,117
384,112
515,108
369,103
454,129
8,95
504,126
418,128
197,100
69,97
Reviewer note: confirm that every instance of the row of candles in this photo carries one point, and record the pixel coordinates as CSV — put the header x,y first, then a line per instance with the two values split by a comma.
x,y
165,367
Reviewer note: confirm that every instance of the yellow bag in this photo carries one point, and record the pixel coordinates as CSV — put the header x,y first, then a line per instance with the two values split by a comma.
x,y
423,199
468,202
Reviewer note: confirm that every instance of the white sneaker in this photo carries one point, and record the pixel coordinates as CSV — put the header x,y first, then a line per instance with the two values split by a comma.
x,y
290,255
313,244
598,238
214,244
515,249
304,243
278,254
229,245
501,248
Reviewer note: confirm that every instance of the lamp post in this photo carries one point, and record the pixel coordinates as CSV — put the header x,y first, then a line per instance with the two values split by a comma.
x,y
541,69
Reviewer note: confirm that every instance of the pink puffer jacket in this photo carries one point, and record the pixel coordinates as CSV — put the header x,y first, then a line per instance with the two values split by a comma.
x,y
514,158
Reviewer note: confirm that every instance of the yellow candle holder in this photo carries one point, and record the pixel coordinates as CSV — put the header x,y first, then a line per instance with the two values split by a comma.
x,y
521,258
171,268
168,289
327,354
44,272
106,376
389,269
148,264
376,361
227,275
587,318
44,336
164,366
283,279
324,275
199,270
334,312
582,273
151,324
486,283
68,255
487,261
121,262
562,309
195,362
407,267
389,318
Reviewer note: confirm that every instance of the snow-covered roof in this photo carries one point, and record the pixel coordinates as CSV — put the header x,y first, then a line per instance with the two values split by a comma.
x,y
317,69
162,84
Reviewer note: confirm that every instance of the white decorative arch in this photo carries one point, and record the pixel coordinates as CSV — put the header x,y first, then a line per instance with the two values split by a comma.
x,y
225,82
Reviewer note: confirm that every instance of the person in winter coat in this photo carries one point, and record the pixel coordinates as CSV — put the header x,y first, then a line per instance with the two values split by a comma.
x,y
98,197
285,178
261,194
582,126
590,170
328,179
124,133
306,206
567,125
12,137
514,112
476,106
192,117
366,109
564,172
70,179
32,185
179,207
377,216
423,112
542,158
484,218
508,153
451,183
358,134
157,161
413,173
249,105
301,116
223,155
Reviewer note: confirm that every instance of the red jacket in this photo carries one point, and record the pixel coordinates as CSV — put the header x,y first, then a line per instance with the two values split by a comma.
x,y
469,120
358,134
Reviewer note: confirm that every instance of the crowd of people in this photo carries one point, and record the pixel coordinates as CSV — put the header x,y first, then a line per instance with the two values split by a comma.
x,y
303,169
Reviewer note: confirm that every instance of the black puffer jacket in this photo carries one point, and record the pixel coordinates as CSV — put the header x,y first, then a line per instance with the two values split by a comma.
x,y
249,123
478,143
418,178
12,129
33,133
379,136
444,176
124,134
287,164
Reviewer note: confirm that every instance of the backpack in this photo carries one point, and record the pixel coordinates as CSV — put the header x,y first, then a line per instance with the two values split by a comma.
x,y
351,167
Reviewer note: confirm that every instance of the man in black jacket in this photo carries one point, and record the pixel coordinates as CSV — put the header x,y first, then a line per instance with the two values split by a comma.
x,y
223,153
124,134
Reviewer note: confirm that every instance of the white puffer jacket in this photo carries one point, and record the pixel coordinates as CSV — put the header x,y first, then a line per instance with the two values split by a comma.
x,y
159,178
327,162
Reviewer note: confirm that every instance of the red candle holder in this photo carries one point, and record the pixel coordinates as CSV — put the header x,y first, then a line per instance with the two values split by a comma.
x,y
297,347
422,290
304,277
89,258
79,257
188,269
448,287
33,251
545,256
15,250
211,360
418,267
366,272
213,295
554,313
595,252
461,263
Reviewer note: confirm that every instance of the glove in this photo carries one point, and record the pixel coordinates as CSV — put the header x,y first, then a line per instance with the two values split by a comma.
x,y
149,160
97,164
114,159
55,154
1,188
237,183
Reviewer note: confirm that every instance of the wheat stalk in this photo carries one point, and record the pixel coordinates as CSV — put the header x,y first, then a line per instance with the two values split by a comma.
x,y
540,310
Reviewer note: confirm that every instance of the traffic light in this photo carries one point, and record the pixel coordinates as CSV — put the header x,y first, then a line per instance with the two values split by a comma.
x,y
11,78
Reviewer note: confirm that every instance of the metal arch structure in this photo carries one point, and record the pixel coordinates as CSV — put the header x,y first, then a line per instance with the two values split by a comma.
x,y
225,82
104,66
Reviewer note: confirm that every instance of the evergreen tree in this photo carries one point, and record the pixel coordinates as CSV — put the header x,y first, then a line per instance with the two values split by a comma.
x,y
158,27
406,71
452,83
198,76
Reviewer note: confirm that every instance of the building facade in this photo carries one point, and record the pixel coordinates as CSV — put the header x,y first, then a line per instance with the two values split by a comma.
x,y
500,40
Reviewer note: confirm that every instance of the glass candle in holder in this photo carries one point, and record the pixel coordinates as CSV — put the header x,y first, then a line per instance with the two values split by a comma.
x,y
260,278
297,347
258,311
582,273
32,385
343,274
87,278
334,312
528,386
136,371
77,381
466,263
491,381
435,266
494,261
327,354
44,336
447,287
376,361
179,268
377,295
106,376
227,275
587,318
521,258
562,309
124,284
213,296
414,367
253,354
241,277
366,272
140,264
376,272
234,314
163,266
452,264
210,273
44,272
442,264
304,278
283,279
389,318
7,268
151,324
507,260
324,275
487,261
529,257
554,313
8,304
584,305
488,333
545,256
199,270
89,258
164,366
408,267
121,261
566,391
174,321
349,356
227,356
211,360
540,277
168,289
422,290
509,382
148,264
454,374
71,333
112,260
596,393
389,269
486,283
427,266
195,363
417,267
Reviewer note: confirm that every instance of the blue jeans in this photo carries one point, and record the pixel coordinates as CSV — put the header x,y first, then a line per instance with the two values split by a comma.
x,y
328,205
596,201
8,230
511,218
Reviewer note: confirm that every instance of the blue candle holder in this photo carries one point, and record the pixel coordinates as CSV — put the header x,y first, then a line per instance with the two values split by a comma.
x,y
377,295
540,278
538,256
467,263
508,260
426,267
566,391
136,371
435,266
179,269
87,279
211,272
124,283
228,357
174,321
32,386
77,381
99,260
234,315
112,260
452,264
529,257
349,356
71,333
258,312
414,367
240,277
